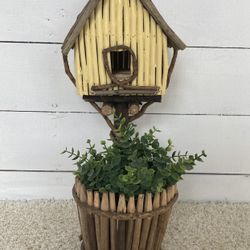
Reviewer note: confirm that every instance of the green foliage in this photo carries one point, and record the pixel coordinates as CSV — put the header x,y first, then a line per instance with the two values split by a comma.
x,y
132,164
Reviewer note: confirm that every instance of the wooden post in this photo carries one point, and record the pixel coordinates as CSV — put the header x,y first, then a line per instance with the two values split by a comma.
x,y
121,109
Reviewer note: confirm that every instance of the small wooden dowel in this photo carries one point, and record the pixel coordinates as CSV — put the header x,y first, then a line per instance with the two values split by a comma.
x,y
153,228
97,220
105,223
138,223
84,216
163,219
148,207
77,188
91,222
121,208
113,228
130,228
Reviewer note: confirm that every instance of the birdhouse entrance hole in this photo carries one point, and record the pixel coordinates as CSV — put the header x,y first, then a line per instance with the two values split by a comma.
x,y
121,64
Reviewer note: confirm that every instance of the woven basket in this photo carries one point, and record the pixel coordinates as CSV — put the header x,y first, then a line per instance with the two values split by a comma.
x,y
109,222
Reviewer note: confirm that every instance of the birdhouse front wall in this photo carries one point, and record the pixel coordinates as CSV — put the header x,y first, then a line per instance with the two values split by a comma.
x,y
114,23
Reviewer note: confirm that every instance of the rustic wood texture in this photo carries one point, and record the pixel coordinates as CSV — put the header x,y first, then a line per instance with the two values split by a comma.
x,y
90,64
83,64
78,191
131,208
148,207
91,222
121,225
89,8
138,223
118,224
106,55
107,109
171,67
116,98
166,197
137,25
99,42
78,70
153,229
113,223
67,69
105,223
134,109
97,204
84,217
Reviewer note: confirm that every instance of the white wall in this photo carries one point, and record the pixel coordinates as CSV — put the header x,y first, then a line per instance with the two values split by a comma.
x,y
207,105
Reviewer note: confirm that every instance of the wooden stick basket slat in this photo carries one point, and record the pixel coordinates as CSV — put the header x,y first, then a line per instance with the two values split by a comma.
x,y
110,224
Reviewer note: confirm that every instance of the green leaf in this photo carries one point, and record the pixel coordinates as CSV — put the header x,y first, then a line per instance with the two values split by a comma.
x,y
131,164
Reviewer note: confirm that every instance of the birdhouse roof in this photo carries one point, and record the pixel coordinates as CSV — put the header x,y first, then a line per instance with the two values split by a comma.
x,y
174,40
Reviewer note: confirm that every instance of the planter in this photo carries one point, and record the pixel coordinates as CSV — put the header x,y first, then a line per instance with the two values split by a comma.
x,y
110,222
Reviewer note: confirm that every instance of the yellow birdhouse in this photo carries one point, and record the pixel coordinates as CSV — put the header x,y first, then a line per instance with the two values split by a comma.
x,y
121,49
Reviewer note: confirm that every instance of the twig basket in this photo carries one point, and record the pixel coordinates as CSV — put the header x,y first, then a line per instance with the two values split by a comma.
x,y
109,222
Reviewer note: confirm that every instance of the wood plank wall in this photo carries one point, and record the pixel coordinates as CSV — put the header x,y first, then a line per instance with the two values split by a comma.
x,y
206,107
122,22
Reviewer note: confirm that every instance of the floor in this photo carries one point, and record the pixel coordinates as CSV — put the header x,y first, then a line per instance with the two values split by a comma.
x,y
193,226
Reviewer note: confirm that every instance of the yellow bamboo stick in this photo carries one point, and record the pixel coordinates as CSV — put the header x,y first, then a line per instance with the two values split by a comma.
x,y
140,43
133,31
146,47
113,22
159,57
83,63
93,49
165,65
89,56
106,33
78,70
126,22
152,51
99,37
119,22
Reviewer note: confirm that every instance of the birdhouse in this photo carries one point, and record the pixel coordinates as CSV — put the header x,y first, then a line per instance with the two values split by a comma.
x,y
121,50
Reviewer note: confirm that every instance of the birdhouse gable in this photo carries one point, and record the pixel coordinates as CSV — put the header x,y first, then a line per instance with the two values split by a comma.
x,y
120,48
174,40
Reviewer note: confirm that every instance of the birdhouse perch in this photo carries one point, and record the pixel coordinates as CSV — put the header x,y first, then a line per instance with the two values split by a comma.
x,y
121,53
